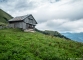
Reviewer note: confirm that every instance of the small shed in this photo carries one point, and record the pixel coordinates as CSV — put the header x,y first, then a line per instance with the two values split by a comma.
x,y
25,22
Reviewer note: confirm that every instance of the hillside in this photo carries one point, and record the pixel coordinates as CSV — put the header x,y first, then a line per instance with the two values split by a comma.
x,y
52,33
18,45
4,17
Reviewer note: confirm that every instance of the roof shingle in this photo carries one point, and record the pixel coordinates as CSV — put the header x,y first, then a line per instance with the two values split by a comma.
x,y
19,18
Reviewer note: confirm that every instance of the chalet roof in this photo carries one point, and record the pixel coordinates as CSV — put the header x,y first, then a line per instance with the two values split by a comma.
x,y
19,18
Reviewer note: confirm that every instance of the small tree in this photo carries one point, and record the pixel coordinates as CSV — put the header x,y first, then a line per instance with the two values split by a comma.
x,y
2,25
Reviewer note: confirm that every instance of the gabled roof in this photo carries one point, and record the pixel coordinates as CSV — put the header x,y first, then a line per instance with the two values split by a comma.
x,y
19,18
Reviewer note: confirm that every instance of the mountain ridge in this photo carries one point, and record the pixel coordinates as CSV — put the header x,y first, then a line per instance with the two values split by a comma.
x,y
74,36
52,33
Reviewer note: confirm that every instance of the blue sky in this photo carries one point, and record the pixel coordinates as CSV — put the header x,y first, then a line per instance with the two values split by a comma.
x,y
57,15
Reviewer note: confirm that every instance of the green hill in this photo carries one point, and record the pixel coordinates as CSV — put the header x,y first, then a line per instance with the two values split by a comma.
x,y
4,17
52,33
18,45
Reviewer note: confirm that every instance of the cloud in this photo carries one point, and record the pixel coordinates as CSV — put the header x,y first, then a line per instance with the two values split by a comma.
x,y
61,10
60,15
62,25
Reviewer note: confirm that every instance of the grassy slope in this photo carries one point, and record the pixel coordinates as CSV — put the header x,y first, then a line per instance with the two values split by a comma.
x,y
52,33
18,45
4,16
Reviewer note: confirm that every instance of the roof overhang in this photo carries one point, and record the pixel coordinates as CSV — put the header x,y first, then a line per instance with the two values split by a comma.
x,y
15,21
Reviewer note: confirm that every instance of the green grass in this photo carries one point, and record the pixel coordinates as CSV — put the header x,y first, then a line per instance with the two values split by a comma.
x,y
4,17
18,45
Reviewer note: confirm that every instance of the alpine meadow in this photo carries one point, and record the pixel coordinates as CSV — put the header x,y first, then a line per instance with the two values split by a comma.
x,y
18,45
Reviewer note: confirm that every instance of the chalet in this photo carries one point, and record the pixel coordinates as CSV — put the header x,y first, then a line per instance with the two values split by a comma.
x,y
26,22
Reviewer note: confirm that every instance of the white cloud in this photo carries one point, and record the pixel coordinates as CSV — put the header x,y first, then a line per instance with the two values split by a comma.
x,y
62,25
60,15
